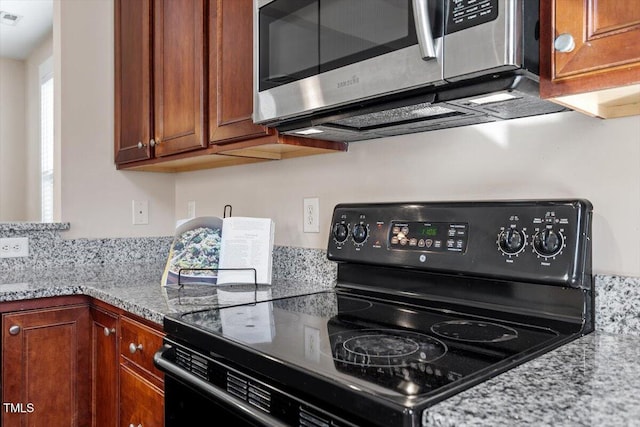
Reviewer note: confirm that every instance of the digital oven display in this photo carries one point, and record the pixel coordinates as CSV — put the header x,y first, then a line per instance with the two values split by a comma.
x,y
429,236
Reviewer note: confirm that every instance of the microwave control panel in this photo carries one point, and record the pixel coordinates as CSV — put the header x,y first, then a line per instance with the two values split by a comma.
x,y
463,14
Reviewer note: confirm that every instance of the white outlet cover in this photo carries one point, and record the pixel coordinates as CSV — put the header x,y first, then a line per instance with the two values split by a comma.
x,y
311,215
14,247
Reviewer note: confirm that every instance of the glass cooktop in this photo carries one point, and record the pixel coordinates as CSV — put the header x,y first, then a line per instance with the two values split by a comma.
x,y
382,347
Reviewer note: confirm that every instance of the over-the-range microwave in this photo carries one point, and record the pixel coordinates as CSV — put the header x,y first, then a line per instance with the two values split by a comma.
x,y
349,70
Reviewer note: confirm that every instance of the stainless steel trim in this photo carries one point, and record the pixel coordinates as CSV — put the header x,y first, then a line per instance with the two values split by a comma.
x,y
361,81
423,29
213,391
486,48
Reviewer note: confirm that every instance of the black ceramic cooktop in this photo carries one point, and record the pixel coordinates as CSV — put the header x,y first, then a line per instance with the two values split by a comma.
x,y
383,347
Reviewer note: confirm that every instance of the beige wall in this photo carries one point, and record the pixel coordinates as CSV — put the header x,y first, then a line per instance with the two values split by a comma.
x,y
554,156
559,155
96,198
12,140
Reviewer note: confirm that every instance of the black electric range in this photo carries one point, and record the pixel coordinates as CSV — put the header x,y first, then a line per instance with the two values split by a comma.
x,y
431,299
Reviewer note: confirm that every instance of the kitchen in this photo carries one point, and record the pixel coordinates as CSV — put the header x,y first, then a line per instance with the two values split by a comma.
x,y
559,155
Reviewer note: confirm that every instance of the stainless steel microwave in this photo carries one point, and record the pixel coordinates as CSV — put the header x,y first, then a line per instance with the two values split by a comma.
x,y
358,69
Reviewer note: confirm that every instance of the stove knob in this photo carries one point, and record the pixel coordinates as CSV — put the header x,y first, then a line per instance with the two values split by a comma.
x,y
548,242
359,233
340,232
511,241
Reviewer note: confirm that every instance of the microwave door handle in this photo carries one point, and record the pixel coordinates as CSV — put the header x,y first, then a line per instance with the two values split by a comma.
x,y
423,29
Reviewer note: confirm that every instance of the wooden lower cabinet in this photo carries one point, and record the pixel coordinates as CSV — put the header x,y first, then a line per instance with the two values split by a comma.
x,y
104,368
75,361
141,383
45,367
141,401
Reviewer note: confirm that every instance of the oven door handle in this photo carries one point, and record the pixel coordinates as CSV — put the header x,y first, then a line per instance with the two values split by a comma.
x,y
211,390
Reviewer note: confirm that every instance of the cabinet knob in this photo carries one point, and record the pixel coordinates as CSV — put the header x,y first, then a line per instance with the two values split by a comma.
x,y
109,331
133,348
141,145
152,143
14,330
564,43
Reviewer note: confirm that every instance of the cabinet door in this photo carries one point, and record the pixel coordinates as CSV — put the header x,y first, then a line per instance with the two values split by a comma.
x,y
179,76
141,402
45,368
606,52
133,126
104,368
231,72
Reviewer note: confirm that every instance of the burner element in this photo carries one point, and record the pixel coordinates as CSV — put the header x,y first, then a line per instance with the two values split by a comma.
x,y
474,331
385,348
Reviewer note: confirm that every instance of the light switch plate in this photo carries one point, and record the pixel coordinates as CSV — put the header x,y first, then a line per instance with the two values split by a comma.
x,y
140,212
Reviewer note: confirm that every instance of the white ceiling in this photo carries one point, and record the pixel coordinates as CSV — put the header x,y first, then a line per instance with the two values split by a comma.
x,y
18,41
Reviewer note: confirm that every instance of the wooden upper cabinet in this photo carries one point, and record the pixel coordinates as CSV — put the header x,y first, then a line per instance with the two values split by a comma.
x,y
604,60
179,72
133,102
231,72
197,58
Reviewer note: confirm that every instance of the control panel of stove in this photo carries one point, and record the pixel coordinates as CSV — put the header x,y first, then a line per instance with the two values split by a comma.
x,y
546,241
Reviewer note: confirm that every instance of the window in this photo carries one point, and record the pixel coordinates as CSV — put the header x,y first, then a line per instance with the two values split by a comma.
x,y
46,141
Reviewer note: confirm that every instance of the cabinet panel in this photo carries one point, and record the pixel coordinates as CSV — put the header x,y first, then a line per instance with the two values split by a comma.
x,y
141,402
179,76
606,35
104,368
45,367
133,129
231,72
600,74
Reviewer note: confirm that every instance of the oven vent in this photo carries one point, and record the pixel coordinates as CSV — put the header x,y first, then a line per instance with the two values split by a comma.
x,y
249,391
194,363
309,419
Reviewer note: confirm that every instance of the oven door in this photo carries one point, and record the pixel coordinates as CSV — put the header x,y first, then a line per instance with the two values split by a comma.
x,y
201,387
317,54
189,399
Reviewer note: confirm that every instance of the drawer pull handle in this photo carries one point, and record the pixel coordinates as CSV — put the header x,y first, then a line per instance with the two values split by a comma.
x,y
132,425
109,331
14,330
133,348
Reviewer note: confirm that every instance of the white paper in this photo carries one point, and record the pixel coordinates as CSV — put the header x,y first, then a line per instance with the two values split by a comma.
x,y
246,243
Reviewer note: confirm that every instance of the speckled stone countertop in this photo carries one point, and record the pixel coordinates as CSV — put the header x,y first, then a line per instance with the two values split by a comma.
x,y
592,381
134,287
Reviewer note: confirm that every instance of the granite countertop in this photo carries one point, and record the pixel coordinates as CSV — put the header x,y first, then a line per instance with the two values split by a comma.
x,y
134,287
591,381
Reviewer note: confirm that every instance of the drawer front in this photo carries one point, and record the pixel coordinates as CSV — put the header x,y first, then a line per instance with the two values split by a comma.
x,y
138,345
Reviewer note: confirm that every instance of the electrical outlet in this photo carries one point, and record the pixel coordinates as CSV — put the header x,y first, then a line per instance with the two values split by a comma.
x,y
191,209
140,212
311,215
14,247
